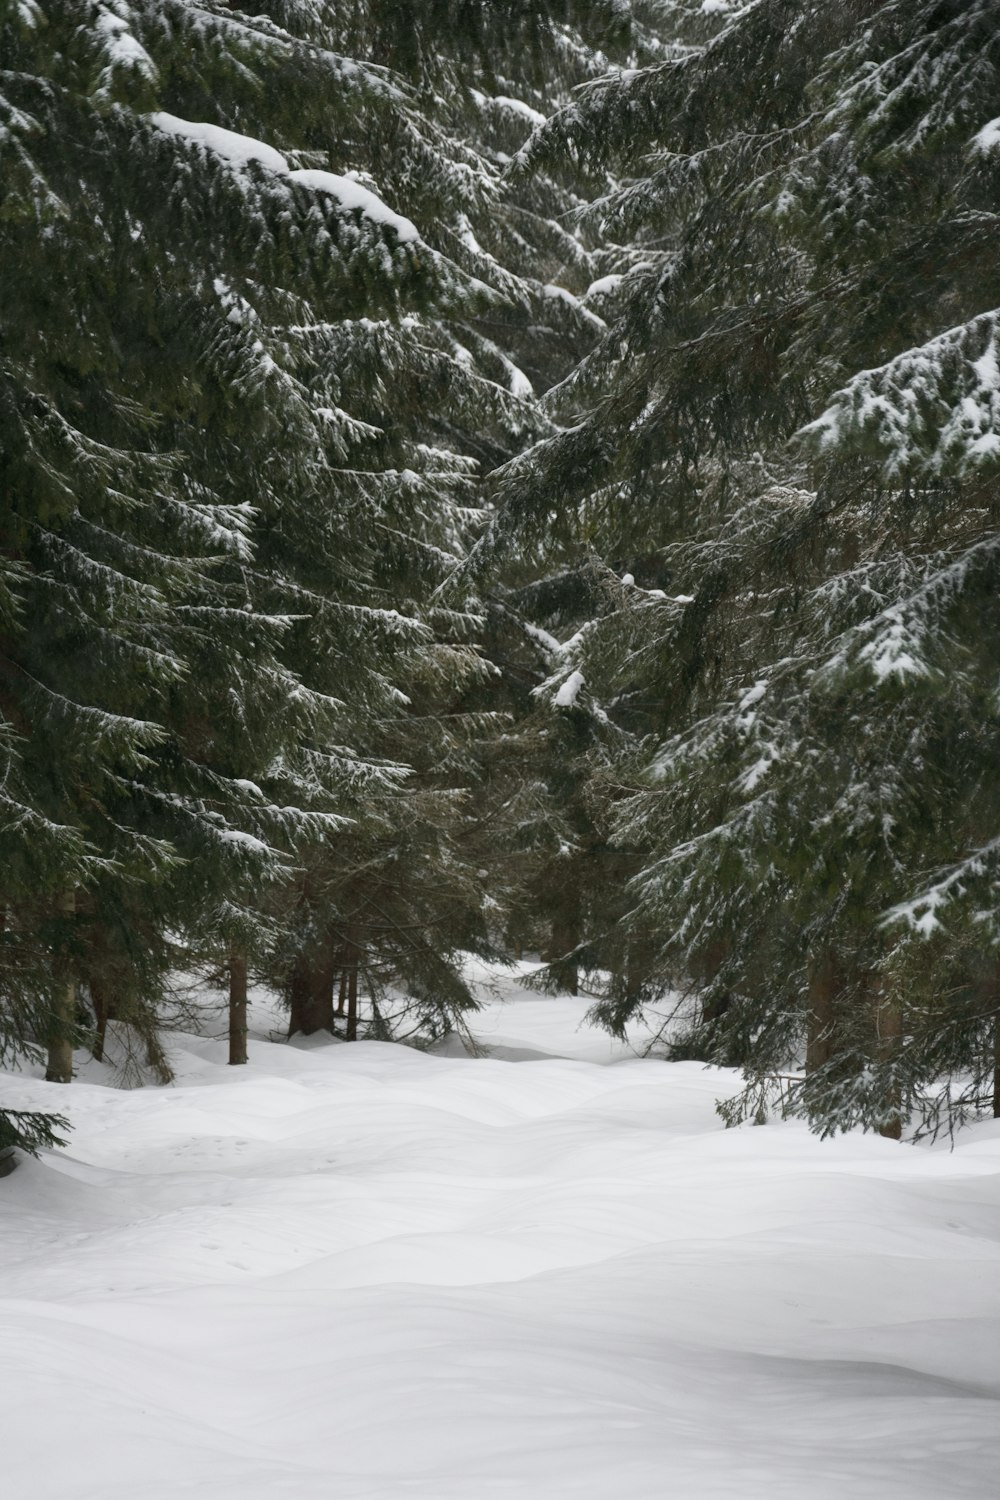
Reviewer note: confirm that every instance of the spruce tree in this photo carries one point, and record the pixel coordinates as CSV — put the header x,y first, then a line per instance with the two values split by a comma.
x,y
362,897
794,406
200,600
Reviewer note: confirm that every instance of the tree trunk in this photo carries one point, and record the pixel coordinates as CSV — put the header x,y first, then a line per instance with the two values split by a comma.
x,y
237,1005
59,1066
310,991
889,1035
565,936
636,965
823,980
102,1014
995,997
352,998
341,993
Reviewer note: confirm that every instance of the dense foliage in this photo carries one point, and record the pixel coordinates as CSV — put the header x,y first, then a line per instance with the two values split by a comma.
x,y
680,318
789,448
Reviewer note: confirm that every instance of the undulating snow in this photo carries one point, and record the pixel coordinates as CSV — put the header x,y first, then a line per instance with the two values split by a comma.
x,y
363,1273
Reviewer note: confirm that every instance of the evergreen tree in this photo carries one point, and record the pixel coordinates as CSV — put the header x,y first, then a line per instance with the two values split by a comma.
x,y
245,402
561,886
204,548
817,810
362,897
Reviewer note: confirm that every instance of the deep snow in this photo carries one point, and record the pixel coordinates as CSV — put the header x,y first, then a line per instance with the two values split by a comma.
x,y
363,1271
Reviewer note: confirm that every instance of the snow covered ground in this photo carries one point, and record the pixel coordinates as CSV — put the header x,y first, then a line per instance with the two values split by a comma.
x,y
361,1272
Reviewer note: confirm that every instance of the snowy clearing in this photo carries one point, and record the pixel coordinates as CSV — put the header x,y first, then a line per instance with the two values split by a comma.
x,y
363,1271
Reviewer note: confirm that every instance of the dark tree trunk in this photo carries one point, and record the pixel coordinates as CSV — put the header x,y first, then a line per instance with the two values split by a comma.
x,y
995,998
237,1005
889,1035
352,998
714,1009
59,1064
565,937
310,991
102,1015
823,981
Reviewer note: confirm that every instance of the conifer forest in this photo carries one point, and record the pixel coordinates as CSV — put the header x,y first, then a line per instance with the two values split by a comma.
x,y
500,567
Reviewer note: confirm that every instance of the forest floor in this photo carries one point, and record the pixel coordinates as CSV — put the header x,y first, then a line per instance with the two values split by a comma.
x,y
368,1273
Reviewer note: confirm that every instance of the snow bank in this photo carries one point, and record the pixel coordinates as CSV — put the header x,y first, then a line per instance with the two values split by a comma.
x,y
364,1272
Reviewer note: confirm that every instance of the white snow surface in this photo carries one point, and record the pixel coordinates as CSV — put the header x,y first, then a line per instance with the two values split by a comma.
x,y
366,1273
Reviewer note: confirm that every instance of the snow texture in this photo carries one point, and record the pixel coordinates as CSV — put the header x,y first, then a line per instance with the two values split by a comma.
x,y
120,48
518,107
237,149
365,1272
240,150
561,294
354,195
932,410
605,285
987,139
570,691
